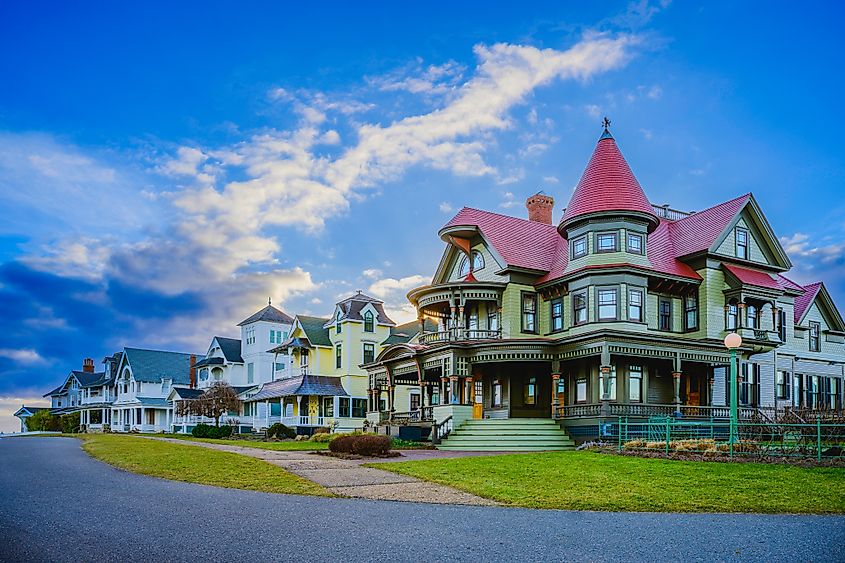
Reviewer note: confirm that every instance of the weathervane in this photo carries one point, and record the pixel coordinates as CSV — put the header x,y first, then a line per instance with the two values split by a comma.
x,y
606,124
269,301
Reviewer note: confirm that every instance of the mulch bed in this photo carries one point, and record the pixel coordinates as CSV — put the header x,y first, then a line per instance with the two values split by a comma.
x,y
339,455
725,458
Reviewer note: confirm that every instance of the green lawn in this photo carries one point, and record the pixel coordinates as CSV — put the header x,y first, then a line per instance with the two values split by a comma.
x,y
291,446
593,481
195,464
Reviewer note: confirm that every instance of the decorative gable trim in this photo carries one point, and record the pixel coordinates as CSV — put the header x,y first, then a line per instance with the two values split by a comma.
x,y
768,239
827,307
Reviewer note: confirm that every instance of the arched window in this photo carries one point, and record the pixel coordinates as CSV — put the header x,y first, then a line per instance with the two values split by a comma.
x,y
337,325
368,322
477,263
203,374
731,315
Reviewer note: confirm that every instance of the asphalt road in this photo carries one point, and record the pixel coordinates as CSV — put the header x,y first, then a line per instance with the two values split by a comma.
x,y
57,504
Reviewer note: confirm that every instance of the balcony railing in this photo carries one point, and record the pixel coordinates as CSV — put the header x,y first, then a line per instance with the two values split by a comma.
x,y
459,334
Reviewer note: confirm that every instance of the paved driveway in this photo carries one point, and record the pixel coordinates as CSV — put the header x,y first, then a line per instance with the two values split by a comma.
x,y
58,504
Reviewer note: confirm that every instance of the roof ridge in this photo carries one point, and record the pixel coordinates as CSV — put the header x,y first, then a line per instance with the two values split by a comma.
x,y
726,202
159,351
523,219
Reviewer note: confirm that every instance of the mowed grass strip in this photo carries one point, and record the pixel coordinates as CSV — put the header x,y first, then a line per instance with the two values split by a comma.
x,y
592,481
292,446
195,464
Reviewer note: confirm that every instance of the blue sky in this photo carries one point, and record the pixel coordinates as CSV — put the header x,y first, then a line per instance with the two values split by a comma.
x,y
162,172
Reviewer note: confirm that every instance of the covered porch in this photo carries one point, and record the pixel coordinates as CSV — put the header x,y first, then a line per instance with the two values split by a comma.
x,y
145,415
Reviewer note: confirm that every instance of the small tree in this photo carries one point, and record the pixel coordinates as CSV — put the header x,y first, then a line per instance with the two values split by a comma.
x,y
216,401
43,421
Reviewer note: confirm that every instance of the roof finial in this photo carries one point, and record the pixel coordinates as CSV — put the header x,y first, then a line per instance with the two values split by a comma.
x,y
269,301
606,124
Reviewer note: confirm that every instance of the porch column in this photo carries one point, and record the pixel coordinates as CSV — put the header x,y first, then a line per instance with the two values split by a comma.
x,y
676,382
605,391
391,399
740,313
370,400
143,413
711,381
454,397
444,400
555,380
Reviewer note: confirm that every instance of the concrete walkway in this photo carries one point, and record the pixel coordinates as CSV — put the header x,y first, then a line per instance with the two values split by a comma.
x,y
349,478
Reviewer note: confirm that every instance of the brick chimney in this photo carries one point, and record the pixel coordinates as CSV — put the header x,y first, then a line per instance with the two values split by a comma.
x,y
540,207
192,371
88,365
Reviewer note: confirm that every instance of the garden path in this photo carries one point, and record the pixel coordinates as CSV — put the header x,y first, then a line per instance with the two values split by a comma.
x,y
348,478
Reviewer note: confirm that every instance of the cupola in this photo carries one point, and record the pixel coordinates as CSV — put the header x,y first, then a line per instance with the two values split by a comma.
x,y
607,188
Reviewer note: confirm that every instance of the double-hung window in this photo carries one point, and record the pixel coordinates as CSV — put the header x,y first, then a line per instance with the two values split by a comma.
x,y
782,325
635,305
369,353
557,314
731,315
368,322
691,311
338,356
782,384
607,242
607,304
742,244
635,384
579,307
338,326
579,247
664,311
815,330
529,312
752,318
581,390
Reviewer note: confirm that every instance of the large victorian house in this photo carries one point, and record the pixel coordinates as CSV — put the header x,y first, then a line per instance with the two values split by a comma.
x,y
619,309
328,386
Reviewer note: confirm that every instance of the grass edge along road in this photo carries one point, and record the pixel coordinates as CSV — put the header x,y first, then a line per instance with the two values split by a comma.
x,y
286,446
594,481
195,464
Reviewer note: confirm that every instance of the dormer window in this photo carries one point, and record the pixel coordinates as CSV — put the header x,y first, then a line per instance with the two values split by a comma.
x,y
742,244
635,243
477,263
368,322
338,327
579,247
815,330
607,242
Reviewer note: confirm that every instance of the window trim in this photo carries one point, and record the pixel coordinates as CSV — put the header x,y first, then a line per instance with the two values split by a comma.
x,y
338,355
744,245
628,236
586,247
607,289
522,312
661,300
818,337
694,327
364,352
586,295
552,303
639,369
369,321
641,292
614,234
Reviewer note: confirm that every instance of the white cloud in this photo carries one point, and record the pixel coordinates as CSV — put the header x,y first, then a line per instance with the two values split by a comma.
x,y
655,92
593,110
393,291
509,200
372,273
420,79
647,134
446,207
551,179
22,356
815,255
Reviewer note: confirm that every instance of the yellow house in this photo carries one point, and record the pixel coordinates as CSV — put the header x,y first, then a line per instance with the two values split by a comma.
x,y
327,386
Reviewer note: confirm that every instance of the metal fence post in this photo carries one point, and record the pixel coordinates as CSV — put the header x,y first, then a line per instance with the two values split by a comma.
x,y
619,441
819,439
668,433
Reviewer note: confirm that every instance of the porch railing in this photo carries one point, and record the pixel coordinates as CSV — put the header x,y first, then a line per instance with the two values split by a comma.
x,y
650,410
458,334
577,411
439,431
413,416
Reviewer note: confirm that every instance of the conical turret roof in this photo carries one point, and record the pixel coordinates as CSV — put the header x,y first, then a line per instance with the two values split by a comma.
x,y
608,185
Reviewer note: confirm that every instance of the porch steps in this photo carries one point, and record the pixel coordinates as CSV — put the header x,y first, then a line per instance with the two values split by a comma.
x,y
508,435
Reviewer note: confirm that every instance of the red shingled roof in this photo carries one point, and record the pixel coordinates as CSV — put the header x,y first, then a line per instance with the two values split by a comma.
x,y
520,242
607,185
803,302
753,277
787,283
699,231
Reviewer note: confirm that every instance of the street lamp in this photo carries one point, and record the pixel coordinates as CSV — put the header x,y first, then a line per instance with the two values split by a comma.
x,y
732,342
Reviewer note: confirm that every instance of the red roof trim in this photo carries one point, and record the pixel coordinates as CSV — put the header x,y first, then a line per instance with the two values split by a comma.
x,y
752,277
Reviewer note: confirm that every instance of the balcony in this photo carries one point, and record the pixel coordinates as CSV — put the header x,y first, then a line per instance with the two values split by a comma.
x,y
459,335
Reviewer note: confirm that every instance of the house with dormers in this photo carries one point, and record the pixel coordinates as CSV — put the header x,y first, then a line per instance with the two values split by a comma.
x,y
328,386
98,395
617,308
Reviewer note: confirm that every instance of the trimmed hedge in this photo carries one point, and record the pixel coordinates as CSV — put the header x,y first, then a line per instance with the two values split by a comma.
x,y
280,431
366,445
209,431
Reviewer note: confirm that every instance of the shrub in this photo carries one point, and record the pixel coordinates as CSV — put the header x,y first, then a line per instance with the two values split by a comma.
x,y
321,431
280,431
634,445
70,423
201,431
213,432
361,444
43,421
322,437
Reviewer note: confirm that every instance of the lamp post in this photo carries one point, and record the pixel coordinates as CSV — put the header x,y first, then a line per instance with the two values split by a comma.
x,y
732,342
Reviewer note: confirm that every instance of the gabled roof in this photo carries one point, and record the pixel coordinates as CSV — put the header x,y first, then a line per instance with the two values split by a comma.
x,y
351,308
817,292
747,276
607,185
205,362
698,232
231,348
404,333
154,365
31,410
57,391
789,285
519,242
803,302
269,314
314,330
183,393
319,385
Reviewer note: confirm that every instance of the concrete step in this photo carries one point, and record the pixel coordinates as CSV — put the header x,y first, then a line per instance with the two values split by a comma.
x,y
492,448
515,434
532,432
